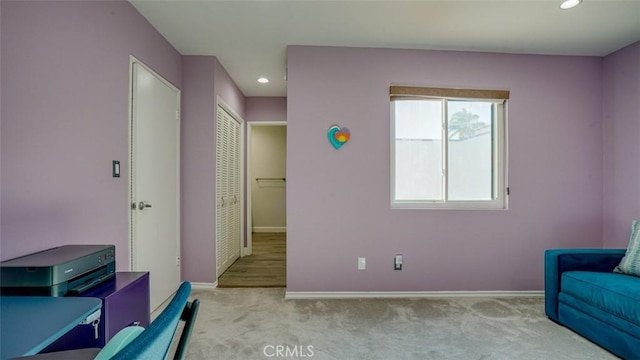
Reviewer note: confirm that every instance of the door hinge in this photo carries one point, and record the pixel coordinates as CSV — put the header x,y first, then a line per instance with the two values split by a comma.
x,y
177,260
507,190
178,114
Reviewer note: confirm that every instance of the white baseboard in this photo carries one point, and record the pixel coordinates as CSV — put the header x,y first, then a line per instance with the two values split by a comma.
x,y
246,251
268,229
406,294
204,286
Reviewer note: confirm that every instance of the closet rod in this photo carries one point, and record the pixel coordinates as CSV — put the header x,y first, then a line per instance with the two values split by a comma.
x,y
271,179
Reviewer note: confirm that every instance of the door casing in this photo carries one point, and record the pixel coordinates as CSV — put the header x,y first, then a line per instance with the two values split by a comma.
x,y
248,229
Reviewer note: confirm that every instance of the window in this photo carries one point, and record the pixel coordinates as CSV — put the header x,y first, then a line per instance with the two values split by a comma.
x,y
448,148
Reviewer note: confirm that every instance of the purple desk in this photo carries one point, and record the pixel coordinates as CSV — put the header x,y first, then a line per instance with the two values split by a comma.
x,y
125,300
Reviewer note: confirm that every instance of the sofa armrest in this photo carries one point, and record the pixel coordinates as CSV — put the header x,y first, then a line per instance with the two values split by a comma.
x,y
557,261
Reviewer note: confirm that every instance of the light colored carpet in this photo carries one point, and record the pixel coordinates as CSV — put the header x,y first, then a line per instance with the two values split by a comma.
x,y
251,323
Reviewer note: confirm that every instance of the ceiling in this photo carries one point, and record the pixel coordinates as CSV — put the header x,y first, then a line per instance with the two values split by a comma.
x,y
249,38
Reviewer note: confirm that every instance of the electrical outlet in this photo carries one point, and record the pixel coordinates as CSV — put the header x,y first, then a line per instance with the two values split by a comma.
x,y
362,263
397,262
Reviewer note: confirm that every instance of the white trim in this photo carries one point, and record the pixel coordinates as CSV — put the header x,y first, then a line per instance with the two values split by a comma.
x,y
392,149
203,285
130,223
248,246
270,229
250,124
289,295
245,251
505,154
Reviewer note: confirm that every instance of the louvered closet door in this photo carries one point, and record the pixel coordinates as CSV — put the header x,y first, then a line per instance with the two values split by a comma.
x,y
227,190
234,187
221,193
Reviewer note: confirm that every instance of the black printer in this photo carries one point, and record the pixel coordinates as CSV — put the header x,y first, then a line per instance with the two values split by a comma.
x,y
62,271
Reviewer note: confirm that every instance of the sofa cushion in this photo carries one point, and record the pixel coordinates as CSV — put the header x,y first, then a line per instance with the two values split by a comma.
x,y
616,294
630,263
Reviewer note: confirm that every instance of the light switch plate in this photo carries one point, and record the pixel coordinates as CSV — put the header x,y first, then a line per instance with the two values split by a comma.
x,y
115,168
362,263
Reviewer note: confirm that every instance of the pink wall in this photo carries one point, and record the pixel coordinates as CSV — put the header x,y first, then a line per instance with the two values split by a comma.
x,y
265,108
64,69
71,58
198,168
227,90
338,202
203,80
621,125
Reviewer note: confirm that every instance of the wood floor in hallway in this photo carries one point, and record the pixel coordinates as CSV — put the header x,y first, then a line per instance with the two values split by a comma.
x,y
265,267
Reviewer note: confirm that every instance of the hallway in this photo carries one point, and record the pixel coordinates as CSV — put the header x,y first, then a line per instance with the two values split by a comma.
x,y
265,267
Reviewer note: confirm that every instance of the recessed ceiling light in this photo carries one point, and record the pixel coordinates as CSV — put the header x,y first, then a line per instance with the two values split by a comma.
x,y
568,4
263,80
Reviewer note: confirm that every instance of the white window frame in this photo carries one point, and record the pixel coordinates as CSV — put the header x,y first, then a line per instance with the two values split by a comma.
x,y
500,202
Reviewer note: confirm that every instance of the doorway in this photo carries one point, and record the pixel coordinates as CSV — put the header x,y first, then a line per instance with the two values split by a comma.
x,y
154,182
264,263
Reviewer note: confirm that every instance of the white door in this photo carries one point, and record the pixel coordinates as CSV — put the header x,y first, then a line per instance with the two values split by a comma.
x,y
155,205
228,191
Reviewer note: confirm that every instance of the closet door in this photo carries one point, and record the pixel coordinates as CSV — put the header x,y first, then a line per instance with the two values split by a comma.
x,y
234,188
221,193
227,190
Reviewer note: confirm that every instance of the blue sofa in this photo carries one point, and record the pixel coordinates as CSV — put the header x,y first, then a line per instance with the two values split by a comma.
x,y
584,294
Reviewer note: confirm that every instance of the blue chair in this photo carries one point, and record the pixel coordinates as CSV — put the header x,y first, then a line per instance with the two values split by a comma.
x,y
136,343
155,341
189,315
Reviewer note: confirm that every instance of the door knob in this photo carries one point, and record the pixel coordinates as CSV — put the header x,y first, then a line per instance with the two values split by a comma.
x,y
142,205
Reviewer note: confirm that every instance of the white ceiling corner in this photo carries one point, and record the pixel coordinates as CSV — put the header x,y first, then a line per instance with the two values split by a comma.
x,y
249,38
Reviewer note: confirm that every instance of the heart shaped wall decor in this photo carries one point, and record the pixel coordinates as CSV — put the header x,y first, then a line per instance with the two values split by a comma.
x,y
338,136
